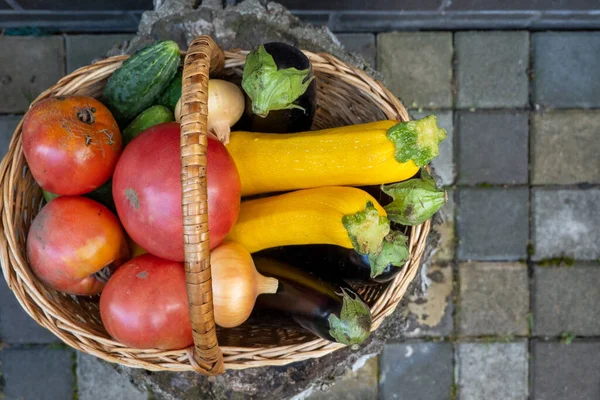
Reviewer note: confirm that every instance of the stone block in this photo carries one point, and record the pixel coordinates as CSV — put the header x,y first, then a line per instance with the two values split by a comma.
x,y
425,80
83,49
96,380
567,300
492,371
493,147
494,299
37,373
445,248
28,66
492,69
493,223
16,326
565,147
417,371
357,384
565,68
8,123
565,223
360,43
561,371
431,315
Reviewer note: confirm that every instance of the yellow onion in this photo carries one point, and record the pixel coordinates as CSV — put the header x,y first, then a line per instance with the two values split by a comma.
x,y
226,105
236,284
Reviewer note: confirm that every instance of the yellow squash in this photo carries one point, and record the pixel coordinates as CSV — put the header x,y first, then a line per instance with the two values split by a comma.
x,y
365,154
343,216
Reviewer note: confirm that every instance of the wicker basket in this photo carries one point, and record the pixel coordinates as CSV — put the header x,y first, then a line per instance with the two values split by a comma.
x,y
346,96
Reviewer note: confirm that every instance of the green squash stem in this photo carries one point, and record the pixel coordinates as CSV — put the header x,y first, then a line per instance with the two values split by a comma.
x,y
418,141
366,229
394,251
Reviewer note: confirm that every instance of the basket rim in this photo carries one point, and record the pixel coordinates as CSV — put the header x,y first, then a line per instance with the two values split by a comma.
x,y
30,292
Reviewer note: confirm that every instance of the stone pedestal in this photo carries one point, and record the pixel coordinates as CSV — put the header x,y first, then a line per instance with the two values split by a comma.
x,y
246,25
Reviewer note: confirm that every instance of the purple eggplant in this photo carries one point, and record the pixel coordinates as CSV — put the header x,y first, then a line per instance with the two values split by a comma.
x,y
281,92
330,310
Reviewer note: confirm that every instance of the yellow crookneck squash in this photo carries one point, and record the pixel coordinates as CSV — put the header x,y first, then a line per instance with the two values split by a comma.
x,y
343,216
356,155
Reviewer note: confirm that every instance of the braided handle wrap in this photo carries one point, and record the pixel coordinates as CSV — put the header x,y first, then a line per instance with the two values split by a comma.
x,y
203,57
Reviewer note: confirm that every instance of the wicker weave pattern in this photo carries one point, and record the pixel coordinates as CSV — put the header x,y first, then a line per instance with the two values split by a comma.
x,y
346,95
207,356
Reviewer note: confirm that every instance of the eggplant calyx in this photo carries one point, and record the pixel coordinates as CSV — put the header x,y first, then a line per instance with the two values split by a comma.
x,y
415,200
272,89
418,141
394,251
353,325
366,229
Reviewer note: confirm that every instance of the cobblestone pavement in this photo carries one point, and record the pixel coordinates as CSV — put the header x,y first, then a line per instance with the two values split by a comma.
x,y
512,308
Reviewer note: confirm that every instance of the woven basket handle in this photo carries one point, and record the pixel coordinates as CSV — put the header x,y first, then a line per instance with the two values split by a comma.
x,y
203,56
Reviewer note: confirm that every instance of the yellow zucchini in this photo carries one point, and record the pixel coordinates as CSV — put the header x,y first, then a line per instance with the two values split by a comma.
x,y
343,216
365,154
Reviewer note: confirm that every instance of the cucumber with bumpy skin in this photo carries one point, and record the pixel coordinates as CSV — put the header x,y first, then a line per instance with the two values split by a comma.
x,y
171,95
140,80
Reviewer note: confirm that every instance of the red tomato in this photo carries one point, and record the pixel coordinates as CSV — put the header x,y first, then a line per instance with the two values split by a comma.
x,y
71,144
72,239
144,304
147,191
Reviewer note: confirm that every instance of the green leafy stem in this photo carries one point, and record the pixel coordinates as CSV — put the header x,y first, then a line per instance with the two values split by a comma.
x,y
418,140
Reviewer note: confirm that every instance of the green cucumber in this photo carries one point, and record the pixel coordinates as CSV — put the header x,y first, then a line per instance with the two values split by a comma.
x,y
49,196
102,195
171,95
140,80
148,118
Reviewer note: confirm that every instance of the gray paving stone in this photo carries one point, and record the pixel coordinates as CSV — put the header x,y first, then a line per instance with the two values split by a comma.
x,y
98,381
417,67
493,223
565,67
360,43
443,164
37,373
16,326
431,315
494,299
565,147
492,371
567,300
83,49
28,66
493,147
565,223
561,371
416,371
8,123
492,69
361,384
447,244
